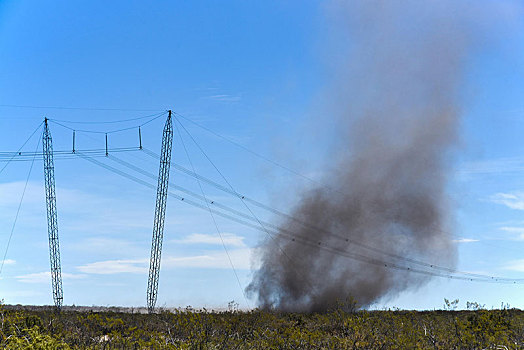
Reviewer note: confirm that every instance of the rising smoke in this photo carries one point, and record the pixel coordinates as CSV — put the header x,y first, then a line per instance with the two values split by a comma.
x,y
397,111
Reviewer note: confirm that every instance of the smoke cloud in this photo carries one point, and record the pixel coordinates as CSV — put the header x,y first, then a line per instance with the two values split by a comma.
x,y
397,115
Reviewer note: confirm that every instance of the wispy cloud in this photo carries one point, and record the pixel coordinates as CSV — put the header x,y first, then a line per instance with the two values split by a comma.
x,y
515,265
513,200
8,262
77,209
465,240
229,239
104,245
110,267
493,166
225,98
45,277
517,232
241,259
10,193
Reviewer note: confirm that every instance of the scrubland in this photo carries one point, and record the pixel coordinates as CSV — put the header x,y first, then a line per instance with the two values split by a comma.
x,y
341,328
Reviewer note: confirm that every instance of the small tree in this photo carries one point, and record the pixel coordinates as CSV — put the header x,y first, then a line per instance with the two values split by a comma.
x,y
450,305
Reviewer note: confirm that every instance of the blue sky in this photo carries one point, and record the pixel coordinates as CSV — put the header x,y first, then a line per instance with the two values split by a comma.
x,y
254,72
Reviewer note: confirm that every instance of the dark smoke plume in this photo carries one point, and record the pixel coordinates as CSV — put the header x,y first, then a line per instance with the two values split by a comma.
x,y
397,114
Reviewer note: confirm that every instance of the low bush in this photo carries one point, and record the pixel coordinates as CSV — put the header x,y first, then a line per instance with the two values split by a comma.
x,y
41,328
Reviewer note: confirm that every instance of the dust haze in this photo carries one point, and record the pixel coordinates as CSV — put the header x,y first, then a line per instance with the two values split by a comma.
x,y
398,69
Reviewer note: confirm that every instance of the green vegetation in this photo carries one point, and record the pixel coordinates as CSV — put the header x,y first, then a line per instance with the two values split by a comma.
x,y
41,328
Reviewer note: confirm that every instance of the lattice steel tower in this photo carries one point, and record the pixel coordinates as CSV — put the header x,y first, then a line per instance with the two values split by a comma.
x,y
160,214
52,222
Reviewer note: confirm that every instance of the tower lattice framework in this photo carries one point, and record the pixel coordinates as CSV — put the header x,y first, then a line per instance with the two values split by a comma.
x,y
52,221
160,213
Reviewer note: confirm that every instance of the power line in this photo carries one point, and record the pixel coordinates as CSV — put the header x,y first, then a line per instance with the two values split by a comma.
x,y
342,238
156,116
64,155
202,197
188,172
280,230
67,152
433,266
320,245
108,121
323,185
332,234
60,157
21,147
280,233
222,188
186,191
249,150
230,191
297,271
213,218
234,192
18,209
262,224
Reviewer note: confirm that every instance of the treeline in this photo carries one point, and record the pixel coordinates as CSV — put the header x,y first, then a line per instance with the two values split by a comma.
x,y
233,329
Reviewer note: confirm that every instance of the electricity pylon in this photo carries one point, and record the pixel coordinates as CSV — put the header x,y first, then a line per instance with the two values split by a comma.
x,y
52,222
160,214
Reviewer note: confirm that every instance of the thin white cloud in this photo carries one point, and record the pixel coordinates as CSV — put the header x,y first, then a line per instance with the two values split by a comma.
x,y
45,277
465,240
241,259
8,262
229,239
517,232
12,296
515,265
79,210
10,193
493,166
513,200
110,267
224,98
105,245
